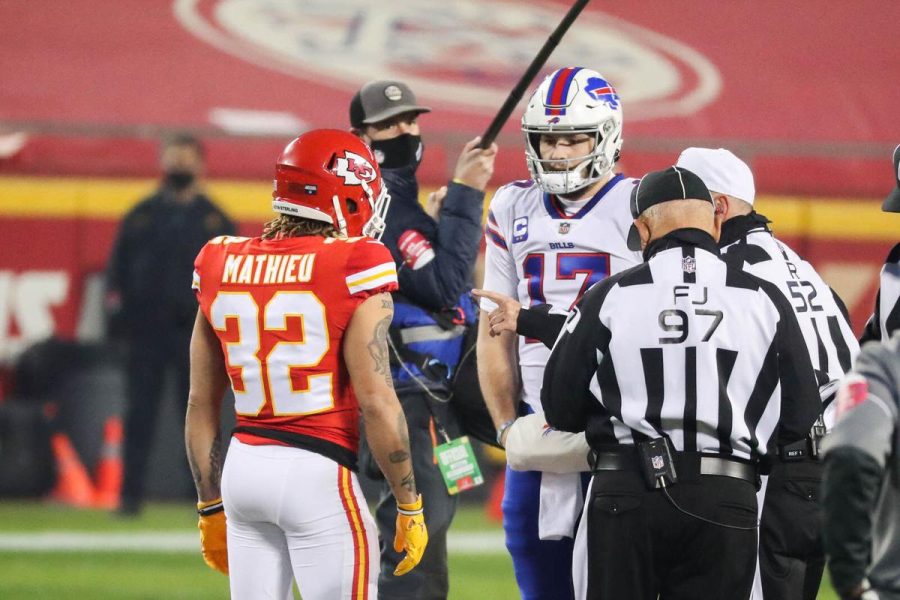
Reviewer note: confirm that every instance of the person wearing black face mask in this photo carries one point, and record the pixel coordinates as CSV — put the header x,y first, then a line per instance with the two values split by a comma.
x,y
179,180
149,302
405,150
435,249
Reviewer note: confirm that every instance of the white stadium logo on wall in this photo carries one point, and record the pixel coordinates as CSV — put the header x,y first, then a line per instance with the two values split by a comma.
x,y
458,54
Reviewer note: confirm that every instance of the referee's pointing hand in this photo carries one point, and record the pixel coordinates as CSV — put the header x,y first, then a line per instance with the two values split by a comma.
x,y
504,317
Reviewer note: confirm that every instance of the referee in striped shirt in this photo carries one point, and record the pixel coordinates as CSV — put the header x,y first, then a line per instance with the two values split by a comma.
x,y
683,372
885,320
791,555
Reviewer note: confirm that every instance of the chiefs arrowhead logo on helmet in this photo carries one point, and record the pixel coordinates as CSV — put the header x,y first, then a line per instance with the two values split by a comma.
x,y
354,169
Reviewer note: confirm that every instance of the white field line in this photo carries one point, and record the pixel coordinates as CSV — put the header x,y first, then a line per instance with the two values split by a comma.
x,y
155,541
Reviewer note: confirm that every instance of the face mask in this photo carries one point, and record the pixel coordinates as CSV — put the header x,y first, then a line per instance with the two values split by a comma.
x,y
402,151
179,180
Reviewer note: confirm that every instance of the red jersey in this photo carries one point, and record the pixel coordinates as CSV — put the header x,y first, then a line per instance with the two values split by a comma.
x,y
280,309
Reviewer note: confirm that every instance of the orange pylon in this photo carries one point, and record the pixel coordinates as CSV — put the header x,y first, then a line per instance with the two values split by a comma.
x,y
109,467
73,485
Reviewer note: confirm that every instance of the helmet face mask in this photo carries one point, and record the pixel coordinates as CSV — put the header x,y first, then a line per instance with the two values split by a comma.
x,y
331,176
568,102
374,227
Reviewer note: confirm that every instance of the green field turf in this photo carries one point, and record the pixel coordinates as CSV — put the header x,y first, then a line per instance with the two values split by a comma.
x,y
97,574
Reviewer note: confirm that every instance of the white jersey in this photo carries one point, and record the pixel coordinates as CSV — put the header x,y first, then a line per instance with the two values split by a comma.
x,y
541,250
826,330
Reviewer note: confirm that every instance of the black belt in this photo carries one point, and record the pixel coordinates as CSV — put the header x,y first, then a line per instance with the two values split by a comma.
x,y
709,465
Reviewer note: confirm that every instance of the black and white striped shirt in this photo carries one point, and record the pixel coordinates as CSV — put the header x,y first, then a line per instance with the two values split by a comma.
x,y
886,318
748,244
684,346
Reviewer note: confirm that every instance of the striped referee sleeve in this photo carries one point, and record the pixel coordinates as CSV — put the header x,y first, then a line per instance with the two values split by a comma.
x,y
885,320
565,395
539,323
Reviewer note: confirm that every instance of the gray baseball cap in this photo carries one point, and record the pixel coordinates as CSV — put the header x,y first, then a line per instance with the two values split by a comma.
x,y
380,100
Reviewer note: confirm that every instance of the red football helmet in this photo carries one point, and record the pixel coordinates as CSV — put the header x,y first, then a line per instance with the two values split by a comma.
x,y
331,175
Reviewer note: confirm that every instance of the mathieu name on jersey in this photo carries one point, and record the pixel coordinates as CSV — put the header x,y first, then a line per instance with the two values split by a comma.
x,y
280,309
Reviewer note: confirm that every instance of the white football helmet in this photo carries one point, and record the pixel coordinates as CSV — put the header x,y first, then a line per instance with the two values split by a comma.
x,y
573,100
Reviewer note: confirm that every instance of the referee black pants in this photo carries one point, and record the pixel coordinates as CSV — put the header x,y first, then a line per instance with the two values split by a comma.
x,y
791,555
641,547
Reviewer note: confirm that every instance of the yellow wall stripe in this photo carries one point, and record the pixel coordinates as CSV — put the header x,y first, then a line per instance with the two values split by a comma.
x,y
71,197
106,198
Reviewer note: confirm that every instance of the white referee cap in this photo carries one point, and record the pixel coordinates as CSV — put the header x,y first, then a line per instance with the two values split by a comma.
x,y
721,171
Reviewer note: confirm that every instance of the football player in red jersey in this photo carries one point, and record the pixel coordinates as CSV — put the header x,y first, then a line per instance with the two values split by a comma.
x,y
296,322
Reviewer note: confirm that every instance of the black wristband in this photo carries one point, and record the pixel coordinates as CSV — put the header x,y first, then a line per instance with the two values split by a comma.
x,y
211,509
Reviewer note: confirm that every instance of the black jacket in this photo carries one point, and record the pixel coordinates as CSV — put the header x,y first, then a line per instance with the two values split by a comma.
x,y
434,260
153,256
454,238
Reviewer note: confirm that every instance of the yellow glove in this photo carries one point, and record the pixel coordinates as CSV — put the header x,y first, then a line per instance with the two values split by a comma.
x,y
411,535
213,541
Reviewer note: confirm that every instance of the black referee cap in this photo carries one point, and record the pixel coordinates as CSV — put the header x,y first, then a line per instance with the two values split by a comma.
x,y
656,187
892,202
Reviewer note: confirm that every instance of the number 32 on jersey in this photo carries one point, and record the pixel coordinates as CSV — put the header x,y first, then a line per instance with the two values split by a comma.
x,y
251,374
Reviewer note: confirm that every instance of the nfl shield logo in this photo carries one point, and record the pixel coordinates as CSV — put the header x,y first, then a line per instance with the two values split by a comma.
x,y
564,228
688,264
657,462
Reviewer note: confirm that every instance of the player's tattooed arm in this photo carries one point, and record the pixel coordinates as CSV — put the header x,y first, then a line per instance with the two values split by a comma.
x,y
398,456
202,436
388,438
366,354
215,456
377,346
195,468
409,482
216,459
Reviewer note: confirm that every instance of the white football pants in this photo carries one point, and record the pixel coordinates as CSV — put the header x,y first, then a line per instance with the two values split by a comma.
x,y
294,514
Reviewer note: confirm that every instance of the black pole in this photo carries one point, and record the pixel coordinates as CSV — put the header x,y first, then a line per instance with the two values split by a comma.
x,y
528,76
